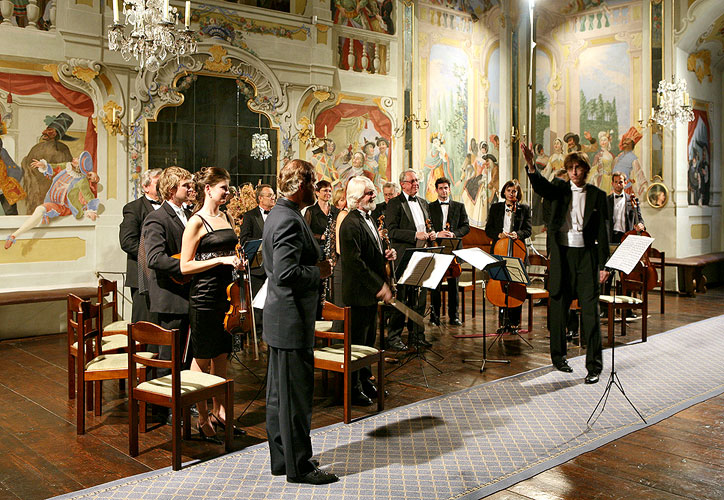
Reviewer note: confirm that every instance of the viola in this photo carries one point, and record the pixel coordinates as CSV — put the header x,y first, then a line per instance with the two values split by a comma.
x,y
389,270
239,319
507,294
455,269
644,266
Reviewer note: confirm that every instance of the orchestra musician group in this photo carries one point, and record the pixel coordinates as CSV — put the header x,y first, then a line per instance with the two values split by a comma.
x,y
167,243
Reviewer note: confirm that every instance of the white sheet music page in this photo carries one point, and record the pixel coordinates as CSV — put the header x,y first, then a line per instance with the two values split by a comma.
x,y
425,270
260,297
476,257
629,253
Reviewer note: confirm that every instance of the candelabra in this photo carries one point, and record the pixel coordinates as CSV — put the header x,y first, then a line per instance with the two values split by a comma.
x,y
673,104
516,136
152,33
419,124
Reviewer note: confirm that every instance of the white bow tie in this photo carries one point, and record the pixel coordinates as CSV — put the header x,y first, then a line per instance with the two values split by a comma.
x,y
581,189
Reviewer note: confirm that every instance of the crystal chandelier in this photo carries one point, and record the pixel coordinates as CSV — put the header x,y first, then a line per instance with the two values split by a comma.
x,y
152,34
260,146
672,103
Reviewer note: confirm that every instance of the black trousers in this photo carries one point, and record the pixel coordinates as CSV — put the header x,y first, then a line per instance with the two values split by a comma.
x,y
452,299
256,284
363,328
141,307
579,280
414,298
170,322
289,393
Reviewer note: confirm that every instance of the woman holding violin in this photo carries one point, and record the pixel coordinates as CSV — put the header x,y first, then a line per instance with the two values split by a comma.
x,y
508,225
208,255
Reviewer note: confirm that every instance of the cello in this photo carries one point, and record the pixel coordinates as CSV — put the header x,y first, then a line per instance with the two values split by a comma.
x,y
644,266
240,316
507,294
455,269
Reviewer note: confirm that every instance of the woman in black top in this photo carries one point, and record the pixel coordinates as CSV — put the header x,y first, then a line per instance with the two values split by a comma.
x,y
317,216
208,254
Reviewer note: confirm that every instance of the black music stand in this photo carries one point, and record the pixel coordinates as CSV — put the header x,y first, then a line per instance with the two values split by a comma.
x,y
514,273
624,259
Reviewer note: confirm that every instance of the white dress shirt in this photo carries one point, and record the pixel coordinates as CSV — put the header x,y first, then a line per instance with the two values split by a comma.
x,y
619,213
508,219
571,233
417,215
368,220
263,213
445,210
179,211
155,205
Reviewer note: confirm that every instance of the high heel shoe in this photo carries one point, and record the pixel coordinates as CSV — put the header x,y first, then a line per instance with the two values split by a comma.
x,y
216,420
208,439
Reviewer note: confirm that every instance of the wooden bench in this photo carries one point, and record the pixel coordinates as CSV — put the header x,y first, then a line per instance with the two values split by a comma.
x,y
691,270
34,296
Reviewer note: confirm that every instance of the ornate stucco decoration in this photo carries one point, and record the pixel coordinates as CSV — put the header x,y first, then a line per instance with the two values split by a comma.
x,y
84,73
700,64
322,95
218,62
112,110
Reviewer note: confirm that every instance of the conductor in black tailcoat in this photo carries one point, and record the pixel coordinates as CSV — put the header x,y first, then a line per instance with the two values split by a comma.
x,y
405,220
444,211
162,234
293,265
363,261
577,242
129,234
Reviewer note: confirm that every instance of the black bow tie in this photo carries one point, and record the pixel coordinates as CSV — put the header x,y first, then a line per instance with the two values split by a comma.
x,y
367,216
412,198
155,202
444,203
508,210
618,196
266,212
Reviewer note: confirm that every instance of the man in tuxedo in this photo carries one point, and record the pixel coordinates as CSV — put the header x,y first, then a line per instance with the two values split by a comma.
x,y
252,228
162,233
577,243
294,266
405,220
389,191
445,211
624,217
134,214
363,261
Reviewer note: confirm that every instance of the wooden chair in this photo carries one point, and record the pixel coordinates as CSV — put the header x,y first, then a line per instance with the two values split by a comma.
x,y
177,391
346,357
634,295
660,267
108,299
536,293
93,364
110,343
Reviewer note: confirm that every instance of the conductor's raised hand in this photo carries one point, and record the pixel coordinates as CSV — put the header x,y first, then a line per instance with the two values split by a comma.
x,y
325,268
528,155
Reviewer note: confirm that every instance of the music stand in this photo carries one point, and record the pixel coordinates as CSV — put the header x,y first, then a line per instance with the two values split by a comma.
x,y
252,251
512,272
624,259
481,261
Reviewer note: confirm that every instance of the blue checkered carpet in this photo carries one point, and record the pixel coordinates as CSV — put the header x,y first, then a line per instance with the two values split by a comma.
x,y
474,442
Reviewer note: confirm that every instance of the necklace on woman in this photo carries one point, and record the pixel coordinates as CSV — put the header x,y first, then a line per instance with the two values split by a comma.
x,y
217,215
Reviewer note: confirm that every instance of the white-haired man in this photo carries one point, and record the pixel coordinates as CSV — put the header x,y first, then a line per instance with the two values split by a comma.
x,y
363,258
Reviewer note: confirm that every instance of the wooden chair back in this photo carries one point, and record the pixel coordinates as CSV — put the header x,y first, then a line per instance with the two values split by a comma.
x,y
108,298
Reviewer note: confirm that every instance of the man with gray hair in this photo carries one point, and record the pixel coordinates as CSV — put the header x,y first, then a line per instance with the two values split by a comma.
x,y
130,233
363,259
389,191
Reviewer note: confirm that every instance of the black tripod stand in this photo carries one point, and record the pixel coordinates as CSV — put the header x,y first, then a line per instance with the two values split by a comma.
x,y
507,327
613,380
485,350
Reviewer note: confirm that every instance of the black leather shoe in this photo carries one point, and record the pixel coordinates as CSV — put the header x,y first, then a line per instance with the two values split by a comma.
x,y
194,411
369,389
419,341
396,345
563,366
435,320
237,432
282,472
591,378
359,398
455,322
317,476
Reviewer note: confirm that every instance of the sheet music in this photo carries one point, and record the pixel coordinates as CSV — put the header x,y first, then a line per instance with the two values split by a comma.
x,y
260,297
629,253
516,270
425,270
475,257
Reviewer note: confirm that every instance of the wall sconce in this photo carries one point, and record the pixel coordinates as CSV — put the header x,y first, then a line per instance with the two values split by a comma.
x,y
419,124
516,136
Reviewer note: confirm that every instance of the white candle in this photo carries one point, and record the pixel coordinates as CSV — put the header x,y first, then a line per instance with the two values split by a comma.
x,y
132,115
165,10
115,12
188,13
325,131
686,98
113,116
523,129
641,115
512,130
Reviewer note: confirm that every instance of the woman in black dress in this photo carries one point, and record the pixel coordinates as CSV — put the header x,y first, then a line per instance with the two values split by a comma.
x,y
317,216
208,254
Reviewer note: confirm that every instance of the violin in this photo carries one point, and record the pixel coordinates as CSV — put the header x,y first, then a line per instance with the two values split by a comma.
x,y
455,269
389,269
644,266
508,294
239,319
185,278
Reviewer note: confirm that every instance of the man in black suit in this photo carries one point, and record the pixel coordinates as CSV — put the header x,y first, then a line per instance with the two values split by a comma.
x,y
363,267
577,243
293,265
445,211
405,220
162,233
252,228
624,217
134,214
389,191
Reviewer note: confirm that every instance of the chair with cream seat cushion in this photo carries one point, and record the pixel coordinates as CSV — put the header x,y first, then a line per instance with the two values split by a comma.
x,y
108,299
178,391
93,364
533,293
346,357
634,295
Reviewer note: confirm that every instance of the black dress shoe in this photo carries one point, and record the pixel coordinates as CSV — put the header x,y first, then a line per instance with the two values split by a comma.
x,y
563,366
419,341
435,320
283,472
396,345
317,476
359,398
215,420
369,389
455,322
591,378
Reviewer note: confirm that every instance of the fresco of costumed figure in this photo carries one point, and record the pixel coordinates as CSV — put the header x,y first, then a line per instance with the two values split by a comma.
x,y
11,177
323,159
628,163
437,164
555,160
481,191
371,167
602,166
352,165
541,162
71,192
